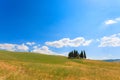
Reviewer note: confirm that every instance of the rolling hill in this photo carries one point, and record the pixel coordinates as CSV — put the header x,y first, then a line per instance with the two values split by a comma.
x,y
32,66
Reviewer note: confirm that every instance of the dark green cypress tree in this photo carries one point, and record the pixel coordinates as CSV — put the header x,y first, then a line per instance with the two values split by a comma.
x,y
76,54
70,54
85,54
81,55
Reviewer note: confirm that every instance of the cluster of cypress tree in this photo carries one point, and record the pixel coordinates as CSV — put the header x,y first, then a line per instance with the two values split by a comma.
x,y
76,54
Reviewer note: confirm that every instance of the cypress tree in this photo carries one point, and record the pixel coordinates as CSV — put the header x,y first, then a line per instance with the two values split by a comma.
x,y
76,54
81,54
71,54
84,54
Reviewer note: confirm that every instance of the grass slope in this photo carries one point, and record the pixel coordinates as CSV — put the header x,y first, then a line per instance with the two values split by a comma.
x,y
31,66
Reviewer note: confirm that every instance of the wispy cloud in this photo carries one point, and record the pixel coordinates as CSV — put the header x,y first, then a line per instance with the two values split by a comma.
x,y
110,41
27,47
6,46
43,50
30,43
14,47
67,42
22,47
112,21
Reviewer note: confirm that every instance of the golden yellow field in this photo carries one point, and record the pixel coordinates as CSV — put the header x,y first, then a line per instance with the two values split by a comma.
x,y
31,66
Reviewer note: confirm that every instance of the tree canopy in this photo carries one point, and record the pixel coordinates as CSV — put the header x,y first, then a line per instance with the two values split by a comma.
x,y
75,54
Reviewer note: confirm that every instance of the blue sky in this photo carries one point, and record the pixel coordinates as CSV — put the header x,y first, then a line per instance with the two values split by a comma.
x,y
59,26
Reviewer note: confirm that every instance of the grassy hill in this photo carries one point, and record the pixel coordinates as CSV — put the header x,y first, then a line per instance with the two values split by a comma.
x,y
31,66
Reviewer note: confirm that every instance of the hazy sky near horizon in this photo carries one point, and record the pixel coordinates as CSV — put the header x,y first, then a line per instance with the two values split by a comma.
x,y
59,26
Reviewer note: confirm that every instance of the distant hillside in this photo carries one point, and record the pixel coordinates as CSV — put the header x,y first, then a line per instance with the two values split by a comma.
x,y
32,66
112,60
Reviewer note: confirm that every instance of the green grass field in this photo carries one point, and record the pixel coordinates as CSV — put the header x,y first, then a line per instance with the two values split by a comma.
x,y
31,66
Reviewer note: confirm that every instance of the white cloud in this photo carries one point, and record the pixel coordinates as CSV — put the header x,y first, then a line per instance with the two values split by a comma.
x,y
14,47
66,42
108,22
6,46
111,41
22,47
46,50
43,50
25,48
30,43
112,21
